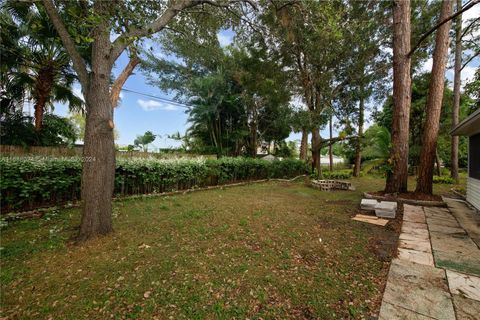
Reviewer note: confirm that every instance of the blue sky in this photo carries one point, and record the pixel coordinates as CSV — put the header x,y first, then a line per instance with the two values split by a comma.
x,y
137,114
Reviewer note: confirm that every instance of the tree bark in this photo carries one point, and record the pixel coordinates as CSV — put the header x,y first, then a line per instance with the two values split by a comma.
x,y
456,92
304,145
434,104
437,161
397,178
330,152
316,146
43,90
358,148
98,174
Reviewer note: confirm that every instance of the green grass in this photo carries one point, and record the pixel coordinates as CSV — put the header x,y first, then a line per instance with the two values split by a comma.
x,y
244,252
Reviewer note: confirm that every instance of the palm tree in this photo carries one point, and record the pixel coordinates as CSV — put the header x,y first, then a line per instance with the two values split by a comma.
x,y
46,73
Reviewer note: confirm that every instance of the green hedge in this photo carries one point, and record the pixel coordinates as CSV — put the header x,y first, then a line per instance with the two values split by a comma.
x,y
337,174
34,182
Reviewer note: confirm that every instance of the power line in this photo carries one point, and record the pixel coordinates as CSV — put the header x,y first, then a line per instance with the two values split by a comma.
x,y
158,98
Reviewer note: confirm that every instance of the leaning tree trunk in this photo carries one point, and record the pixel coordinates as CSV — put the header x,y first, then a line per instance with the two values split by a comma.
x,y
304,145
456,92
43,90
434,104
398,176
358,147
98,173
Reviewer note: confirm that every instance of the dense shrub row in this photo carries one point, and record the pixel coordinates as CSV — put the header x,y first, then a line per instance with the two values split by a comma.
x,y
337,174
34,182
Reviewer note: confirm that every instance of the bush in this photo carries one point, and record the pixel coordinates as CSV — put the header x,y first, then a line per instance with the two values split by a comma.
x,y
33,182
443,180
337,174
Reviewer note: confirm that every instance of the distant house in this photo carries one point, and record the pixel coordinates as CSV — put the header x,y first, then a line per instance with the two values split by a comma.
x,y
325,160
470,127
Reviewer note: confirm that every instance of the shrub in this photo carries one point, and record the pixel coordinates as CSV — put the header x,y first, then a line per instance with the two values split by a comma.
x,y
338,174
443,180
34,182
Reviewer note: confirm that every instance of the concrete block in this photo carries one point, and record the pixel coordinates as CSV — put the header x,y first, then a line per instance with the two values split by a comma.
x,y
368,204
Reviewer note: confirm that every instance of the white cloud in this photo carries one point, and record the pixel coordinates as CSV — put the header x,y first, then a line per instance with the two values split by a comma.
x,y
152,105
224,39
468,73
78,92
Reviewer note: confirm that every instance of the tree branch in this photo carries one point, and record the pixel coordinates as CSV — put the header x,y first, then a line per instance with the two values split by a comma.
x,y
329,142
161,22
429,32
467,28
475,54
78,62
120,81
127,38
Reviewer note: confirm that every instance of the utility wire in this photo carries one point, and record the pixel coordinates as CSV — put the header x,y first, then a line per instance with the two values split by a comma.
x,y
158,98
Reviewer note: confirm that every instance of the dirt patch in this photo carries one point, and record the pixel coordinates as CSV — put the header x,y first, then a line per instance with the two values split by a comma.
x,y
407,195
383,242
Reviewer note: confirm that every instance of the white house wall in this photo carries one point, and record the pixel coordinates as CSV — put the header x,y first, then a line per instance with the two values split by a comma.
x,y
473,192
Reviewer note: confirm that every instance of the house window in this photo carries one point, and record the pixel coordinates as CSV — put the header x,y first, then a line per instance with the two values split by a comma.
x,y
474,157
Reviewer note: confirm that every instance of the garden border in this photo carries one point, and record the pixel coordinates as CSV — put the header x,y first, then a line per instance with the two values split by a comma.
x,y
424,203
38,213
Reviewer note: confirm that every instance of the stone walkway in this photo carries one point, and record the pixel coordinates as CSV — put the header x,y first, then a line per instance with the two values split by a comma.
x,y
437,272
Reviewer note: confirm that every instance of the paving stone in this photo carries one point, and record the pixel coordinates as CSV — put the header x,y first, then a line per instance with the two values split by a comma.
x,y
459,244
468,218
413,214
466,309
465,285
413,225
447,229
419,288
416,256
443,221
418,236
415,231
419,245
389,311
436,211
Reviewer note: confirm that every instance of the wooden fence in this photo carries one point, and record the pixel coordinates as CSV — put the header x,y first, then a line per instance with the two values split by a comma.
x,y
20,151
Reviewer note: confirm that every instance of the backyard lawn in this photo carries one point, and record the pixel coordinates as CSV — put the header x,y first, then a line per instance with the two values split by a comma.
x,y
268,250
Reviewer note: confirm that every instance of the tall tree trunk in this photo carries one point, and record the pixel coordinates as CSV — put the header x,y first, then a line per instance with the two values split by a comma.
x,y
434,104
304,145
43,90
437,161
358,147
316,146
397,178
330,152
98,173
456,92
